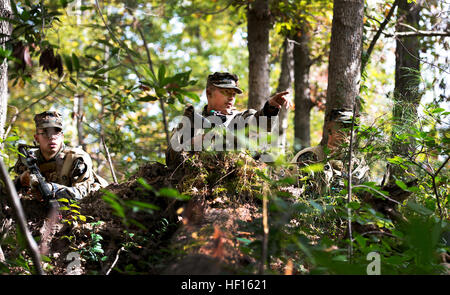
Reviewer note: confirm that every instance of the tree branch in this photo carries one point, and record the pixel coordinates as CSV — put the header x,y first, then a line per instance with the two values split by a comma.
x,y
378,34
419,59
419,33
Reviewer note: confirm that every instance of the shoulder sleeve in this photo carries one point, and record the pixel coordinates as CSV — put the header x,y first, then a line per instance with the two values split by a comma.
x,y
83,180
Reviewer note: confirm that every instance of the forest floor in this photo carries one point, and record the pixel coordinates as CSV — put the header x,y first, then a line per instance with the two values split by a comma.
x,y
117,231
199,218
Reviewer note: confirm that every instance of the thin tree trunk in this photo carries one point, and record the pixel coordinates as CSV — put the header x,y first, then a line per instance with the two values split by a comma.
x,y
258,27
285,84
5,31
303,104
80,115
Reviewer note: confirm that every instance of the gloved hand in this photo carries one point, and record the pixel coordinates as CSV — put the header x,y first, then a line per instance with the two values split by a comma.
x,y
25,179
34,182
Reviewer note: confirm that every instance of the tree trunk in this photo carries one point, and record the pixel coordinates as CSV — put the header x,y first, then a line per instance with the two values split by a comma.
x,y
406,91
5,31
407,76
303,104
285,84
258,27
344,71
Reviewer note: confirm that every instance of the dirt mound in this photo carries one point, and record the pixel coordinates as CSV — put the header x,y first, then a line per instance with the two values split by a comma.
x,y
158,220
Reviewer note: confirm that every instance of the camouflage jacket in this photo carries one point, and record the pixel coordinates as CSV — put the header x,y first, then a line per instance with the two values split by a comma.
x,y
173,156
70,173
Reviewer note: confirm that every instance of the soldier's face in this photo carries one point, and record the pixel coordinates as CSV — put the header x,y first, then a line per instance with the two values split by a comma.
x,y
222,100
50,140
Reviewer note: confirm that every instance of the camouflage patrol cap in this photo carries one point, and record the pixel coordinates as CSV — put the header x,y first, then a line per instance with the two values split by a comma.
x,y
224,80
48,119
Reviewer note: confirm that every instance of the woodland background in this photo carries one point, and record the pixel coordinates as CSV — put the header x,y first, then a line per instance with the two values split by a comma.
x,y
121,71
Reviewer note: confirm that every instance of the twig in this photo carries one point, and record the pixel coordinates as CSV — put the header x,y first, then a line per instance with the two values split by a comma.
x,y
349,198
117,39
115,261
224,176
207,12
433,179
384,196
265,230
171,175
20,218
378,232
108,156
442,166
418,58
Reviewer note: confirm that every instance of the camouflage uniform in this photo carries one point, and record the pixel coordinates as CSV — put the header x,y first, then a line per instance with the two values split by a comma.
x,y
335,165
70,171
174,158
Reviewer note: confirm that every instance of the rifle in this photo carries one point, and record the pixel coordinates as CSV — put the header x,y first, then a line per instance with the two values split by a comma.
x,y
31,163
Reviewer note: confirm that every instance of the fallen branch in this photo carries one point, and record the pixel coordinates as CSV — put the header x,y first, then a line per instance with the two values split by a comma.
x,y
115,261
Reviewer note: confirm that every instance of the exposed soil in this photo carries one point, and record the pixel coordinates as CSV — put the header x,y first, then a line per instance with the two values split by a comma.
x,y
199,236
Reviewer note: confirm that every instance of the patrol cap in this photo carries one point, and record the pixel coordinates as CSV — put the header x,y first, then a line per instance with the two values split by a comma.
x,y
224,80
48,119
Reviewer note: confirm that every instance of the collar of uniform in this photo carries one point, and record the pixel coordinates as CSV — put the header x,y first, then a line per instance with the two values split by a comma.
x,y
205,112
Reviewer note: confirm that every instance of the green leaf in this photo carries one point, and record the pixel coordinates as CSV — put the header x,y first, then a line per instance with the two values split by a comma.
x,y
68,62
64,200
317,167
316,206
245,241
75,62
141,205
148,98
354,205
104,70
437,110
172,193
402,185
396,160
418,208
144,183
12,138
161,75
